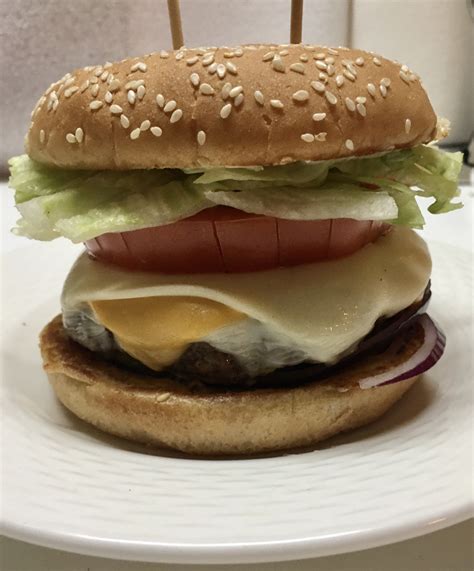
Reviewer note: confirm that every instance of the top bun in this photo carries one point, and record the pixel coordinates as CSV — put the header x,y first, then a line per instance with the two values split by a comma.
x,y
251,105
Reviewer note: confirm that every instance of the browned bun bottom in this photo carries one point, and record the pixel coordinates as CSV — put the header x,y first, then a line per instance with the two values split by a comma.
x,y
165,413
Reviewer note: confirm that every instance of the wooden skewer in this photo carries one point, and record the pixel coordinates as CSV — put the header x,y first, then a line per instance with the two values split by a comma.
x,y
175,24
296,21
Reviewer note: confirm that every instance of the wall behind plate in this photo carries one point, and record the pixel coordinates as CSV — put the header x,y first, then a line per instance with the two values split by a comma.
x,y
41,40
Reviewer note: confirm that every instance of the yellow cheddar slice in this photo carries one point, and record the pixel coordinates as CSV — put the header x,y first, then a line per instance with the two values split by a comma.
x,y
156,330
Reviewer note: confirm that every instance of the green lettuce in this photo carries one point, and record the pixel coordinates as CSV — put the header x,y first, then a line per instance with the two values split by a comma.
x,y
83,204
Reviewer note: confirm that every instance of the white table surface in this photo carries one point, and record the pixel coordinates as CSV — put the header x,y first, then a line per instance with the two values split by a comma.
x,y
446,550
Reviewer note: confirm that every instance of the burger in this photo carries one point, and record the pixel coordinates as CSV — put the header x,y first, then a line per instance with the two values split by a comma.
x,y
251,279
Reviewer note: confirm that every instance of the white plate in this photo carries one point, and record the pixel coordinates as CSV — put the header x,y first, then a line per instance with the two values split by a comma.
x,y
70,487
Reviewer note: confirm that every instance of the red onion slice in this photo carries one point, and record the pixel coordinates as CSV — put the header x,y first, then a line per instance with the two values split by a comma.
x,y
427,355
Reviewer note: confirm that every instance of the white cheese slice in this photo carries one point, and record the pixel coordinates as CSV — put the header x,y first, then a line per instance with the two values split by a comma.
x,y
323,308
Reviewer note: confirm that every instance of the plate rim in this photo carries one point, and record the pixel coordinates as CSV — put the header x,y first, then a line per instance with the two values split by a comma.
x,y
257,552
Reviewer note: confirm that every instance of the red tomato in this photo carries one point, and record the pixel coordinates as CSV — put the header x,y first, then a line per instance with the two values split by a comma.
x,y
223,239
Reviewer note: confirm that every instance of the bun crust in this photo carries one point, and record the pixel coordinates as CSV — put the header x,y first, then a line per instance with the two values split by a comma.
x,y
94,118
164,413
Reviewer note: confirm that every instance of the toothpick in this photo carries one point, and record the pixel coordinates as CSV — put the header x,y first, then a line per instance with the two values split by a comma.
x,y
296,21
175,24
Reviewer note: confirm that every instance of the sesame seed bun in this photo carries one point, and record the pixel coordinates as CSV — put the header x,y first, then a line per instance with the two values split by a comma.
x,y
164,413
253,105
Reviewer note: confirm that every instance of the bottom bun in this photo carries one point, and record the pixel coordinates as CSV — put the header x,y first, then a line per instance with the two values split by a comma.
x,y
165,413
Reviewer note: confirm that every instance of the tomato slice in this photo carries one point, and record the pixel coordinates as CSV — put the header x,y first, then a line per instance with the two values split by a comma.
x,y
223,239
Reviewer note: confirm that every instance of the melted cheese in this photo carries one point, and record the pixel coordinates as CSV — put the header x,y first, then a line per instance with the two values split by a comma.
x,y
321,309
156,330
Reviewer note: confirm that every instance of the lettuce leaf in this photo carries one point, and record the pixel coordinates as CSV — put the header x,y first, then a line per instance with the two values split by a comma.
x,y
83,204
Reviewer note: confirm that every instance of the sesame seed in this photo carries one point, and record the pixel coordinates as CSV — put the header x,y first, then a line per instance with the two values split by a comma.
x,y
139,66
297,67
321,65
79,134
307,138
407,126
333,51
212,68
108,97
201,138
284,52
43,135
268,56
236,91
176,116
239,52
93,80
228,54
349,75
145,125
114,85
405,77
259,97
320,136
278,65
331,69
349,144
131,96
110,79
349,104
207,60
320,55
206,89
170,106
276,103
70,138
226,90
332,99
104,75
329,60
55,104
319,116
135,134
179,56
361,109
304,57
339,80
221,71
359,61
385,81
70,91
239,99
377,61
124,121
192,60
194,78
156,131
163,397
116,109
225,111
134,84
141,92
301,95
404,68
98,71
85,85
231,68
160,100
69,81
371,89
318,86
412,77
164,54
383,90
361,99
95,90
94,105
